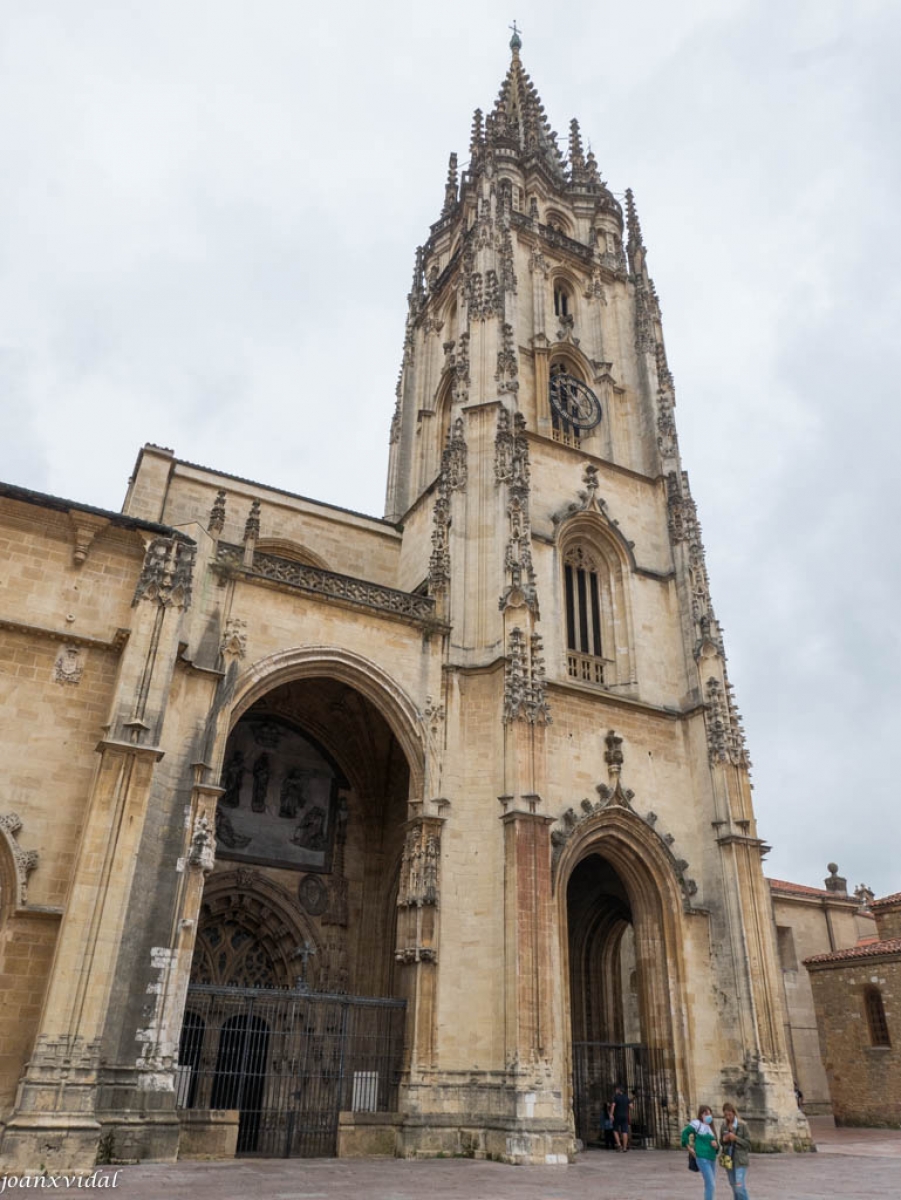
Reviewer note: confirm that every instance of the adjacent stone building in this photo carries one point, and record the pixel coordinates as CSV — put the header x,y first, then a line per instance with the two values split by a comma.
x,y
857,993
325,832
811,921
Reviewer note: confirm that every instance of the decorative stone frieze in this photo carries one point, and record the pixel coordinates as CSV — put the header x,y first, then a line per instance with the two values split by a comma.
x,y
329,584
167,575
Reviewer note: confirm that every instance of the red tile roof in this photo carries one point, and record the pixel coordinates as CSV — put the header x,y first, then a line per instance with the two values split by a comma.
x,y
895,898
801,889
867,950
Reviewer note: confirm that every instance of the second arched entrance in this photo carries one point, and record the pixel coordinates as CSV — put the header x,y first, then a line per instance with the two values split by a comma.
x,y
621,903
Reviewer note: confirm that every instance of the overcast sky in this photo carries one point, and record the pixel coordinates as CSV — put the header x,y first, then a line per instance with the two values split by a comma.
x,y
208,218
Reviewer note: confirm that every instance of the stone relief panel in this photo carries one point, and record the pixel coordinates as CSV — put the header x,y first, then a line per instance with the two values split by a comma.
x,y
280,803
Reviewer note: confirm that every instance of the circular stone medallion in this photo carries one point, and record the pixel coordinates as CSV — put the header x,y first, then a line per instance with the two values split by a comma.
x,y
313,895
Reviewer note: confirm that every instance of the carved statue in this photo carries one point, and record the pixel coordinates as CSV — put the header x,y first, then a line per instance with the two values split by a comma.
x,y
291,796
232,779
261,772
310,833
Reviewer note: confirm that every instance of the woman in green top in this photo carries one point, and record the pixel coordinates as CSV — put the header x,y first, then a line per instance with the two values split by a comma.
x,y
736,1142
699,1137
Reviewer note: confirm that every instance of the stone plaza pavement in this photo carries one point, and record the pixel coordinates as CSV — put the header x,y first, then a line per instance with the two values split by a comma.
x,y
854,1164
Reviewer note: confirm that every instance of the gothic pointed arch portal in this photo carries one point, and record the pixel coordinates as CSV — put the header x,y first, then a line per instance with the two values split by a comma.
x,y
621,900
298,923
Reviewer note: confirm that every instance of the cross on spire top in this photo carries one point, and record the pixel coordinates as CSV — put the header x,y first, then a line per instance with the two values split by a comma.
x,y
516,40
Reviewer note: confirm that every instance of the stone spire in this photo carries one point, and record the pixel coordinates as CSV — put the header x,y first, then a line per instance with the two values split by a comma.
x,y
518,120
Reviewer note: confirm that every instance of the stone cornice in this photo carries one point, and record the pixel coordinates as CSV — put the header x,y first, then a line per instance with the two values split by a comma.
x,y
114,645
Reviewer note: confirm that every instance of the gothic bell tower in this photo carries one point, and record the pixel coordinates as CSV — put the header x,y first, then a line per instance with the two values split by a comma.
x,y
535,469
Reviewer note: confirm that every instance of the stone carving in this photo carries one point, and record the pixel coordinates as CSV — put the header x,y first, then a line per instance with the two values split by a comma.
x,y
331,585
538,706
525,683
433,715
313,895
418,885
725,734
86,527
453,457
521,588
439,561
202,852
613,755
24,861
167,574
515,680
234,640
507,367
68,667
589,500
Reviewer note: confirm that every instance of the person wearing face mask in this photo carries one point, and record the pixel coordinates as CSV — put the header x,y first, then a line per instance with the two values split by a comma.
x,y
735,1139
699,1137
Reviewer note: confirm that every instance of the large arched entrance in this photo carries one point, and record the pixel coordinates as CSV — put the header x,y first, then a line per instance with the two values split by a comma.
x,y
621,903
293,1012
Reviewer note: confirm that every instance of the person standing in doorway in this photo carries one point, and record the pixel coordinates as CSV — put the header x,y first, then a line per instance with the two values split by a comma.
x,y
699,1137
735,1139
618,1112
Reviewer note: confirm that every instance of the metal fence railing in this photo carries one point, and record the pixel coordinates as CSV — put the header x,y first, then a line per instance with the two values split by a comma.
x,y
289,1061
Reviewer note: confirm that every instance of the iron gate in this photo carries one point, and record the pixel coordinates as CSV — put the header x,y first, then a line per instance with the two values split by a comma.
x,y
598,1067
289,1062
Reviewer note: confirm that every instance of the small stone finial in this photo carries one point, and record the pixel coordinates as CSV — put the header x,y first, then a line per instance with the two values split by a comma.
x,y
252,525
864,896
835,882
477,135
251,533
576,154
632,222
450,188
217,515
516,40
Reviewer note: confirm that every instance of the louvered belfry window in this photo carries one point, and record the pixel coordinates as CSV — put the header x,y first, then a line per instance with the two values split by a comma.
x,y
583,603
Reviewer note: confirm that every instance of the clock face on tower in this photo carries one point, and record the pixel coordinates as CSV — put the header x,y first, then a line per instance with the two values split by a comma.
x,y
575,402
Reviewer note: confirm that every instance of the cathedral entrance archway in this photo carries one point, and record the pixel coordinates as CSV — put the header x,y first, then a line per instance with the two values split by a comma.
x,y
623,971
293,1013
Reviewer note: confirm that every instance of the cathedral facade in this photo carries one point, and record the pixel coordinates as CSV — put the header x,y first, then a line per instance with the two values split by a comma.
x,y
328,833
